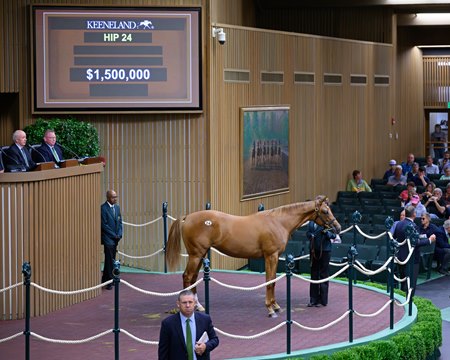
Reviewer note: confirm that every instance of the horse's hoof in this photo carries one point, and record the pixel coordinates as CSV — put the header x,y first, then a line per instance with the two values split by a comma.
x,y
173,311
200,308
276,308
273,315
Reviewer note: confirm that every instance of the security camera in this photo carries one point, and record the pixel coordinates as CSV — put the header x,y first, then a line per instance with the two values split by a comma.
x,y
222,37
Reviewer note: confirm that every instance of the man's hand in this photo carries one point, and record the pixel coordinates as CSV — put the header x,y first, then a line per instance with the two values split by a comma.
x,y
200,348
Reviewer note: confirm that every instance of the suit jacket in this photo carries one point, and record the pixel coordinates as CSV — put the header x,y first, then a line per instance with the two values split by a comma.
x,y
441,243
111,224
400,236
44,154
172,345
14,160
321,240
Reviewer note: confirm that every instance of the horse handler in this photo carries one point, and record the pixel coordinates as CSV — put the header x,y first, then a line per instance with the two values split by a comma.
x,y
319,254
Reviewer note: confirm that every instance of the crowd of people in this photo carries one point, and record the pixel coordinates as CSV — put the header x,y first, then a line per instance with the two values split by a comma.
x,y
420,197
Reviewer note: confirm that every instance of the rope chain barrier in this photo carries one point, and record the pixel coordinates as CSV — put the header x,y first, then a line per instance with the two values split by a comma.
x,y
10,287
251,337
81,341
147,223
326,326
234,287
322,280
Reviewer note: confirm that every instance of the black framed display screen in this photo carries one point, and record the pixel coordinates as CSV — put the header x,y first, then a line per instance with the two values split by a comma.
x,y
116,59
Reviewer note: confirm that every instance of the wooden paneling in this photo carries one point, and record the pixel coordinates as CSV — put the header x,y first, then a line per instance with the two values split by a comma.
x,y
51,219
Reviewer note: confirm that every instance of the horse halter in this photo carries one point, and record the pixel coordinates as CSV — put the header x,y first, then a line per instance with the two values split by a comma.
x,y
327,224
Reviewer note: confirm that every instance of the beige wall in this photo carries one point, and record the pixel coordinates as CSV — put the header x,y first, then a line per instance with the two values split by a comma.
x,y
189,159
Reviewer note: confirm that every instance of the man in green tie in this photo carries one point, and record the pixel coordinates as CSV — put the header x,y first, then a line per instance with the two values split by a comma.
x,y
49,149
187,335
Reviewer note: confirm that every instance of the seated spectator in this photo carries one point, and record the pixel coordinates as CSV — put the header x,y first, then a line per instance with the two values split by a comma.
x,y
357,183
420,179
431,168
428,192
414,171
397,178
445,165
446,196
402,217
407,165
446,175
1,164
389,172
444,160
435,205
428,229
442,249
406,195
415,202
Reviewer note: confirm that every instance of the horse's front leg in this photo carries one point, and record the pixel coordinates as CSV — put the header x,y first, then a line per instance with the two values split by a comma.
x,y
271,262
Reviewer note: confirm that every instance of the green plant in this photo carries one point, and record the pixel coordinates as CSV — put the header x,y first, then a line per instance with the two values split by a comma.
x,y
76,137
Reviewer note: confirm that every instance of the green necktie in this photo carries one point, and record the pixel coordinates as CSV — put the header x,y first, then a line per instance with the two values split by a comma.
x,y
190,350
55,154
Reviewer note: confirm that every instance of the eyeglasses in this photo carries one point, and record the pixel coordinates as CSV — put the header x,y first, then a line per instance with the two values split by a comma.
x,y
422,218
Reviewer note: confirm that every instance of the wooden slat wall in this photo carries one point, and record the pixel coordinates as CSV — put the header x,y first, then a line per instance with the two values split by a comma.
x,y
54,224
436,73
189,159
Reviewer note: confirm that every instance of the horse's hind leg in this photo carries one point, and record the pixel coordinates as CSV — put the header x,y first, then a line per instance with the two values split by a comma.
x,y
190,276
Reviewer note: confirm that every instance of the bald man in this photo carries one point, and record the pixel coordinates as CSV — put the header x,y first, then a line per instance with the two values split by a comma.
x,y
17,157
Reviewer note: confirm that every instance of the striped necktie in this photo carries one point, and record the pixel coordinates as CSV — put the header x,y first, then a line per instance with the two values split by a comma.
x,y
27,164
55,154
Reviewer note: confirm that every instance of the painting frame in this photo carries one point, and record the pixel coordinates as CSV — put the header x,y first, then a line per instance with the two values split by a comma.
x,y
264,151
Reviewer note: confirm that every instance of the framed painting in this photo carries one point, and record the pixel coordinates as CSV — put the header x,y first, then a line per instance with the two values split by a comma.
x,y
264,151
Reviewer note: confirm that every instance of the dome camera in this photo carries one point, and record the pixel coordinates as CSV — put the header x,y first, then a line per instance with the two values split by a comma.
x,y
219,34
222,37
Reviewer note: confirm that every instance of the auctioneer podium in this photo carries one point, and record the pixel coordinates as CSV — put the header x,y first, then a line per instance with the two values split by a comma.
x,y
50,218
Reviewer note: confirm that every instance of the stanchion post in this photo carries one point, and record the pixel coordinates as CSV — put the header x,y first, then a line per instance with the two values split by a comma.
x,y
414,236
116,331
26,271
164,216
356,219
289,266
206,279
208,207
352,253
393,245
388,225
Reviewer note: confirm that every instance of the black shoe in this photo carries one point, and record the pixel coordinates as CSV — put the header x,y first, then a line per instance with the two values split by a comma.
x,y
311,304
109,287
443,272
324,304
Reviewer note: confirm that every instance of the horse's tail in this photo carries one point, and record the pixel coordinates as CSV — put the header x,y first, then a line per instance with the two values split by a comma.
x,y
173,246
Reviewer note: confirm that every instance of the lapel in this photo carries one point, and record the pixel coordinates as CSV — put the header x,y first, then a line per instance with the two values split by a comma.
x,y
179,331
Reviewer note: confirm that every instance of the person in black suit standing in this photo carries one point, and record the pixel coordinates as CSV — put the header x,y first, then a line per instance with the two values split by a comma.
x,y
319,254
49,149
111,233
17,157
400,234
187,333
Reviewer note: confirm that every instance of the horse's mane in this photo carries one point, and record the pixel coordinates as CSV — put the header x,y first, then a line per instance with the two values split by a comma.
x,y
287,208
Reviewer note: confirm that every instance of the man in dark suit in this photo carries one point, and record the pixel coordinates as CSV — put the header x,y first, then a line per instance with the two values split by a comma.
x,y
187,324
49,149
400,234
111,233
17,157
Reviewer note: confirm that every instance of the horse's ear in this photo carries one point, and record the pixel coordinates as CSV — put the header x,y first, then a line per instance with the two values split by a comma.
x,y
321,198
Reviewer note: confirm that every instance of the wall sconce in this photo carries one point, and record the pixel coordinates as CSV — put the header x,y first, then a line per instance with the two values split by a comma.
x,y
220,34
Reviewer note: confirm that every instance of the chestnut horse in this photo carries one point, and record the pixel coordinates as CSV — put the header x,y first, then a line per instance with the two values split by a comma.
x,y
263,234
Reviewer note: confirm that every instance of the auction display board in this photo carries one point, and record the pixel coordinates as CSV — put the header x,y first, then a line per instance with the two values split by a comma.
x,y
110,59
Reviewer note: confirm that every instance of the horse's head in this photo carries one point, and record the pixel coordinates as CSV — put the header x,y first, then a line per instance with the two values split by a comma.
x,y
324,216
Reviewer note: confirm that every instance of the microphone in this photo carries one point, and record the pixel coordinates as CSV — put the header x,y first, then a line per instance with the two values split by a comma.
x,y
20,167
69,150
33,149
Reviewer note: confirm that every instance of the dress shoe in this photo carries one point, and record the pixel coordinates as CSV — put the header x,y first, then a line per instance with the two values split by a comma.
x,y
311,304
443,272
109,287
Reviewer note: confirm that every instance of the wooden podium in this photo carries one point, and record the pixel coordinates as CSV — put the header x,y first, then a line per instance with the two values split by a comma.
x,y
45,166
68,163
50,218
